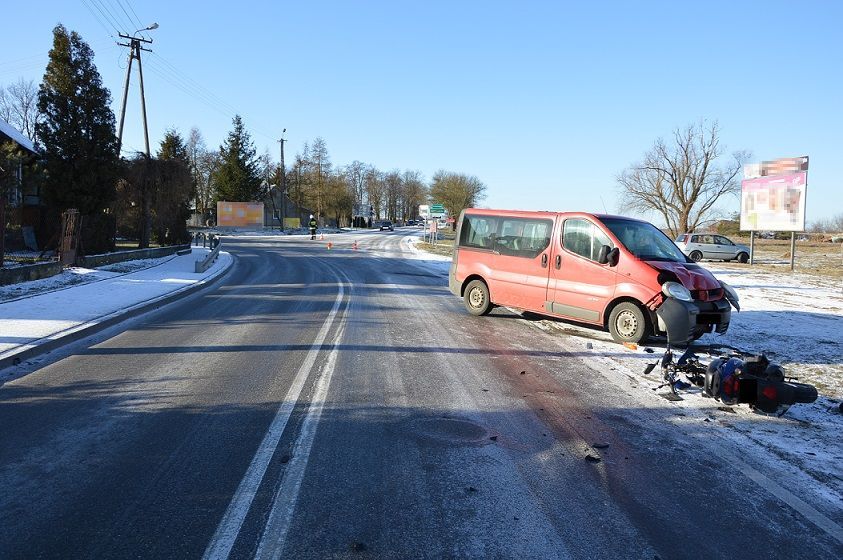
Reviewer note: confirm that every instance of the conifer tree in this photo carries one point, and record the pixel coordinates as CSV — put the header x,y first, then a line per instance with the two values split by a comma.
x,y
76,133
173,190
238,177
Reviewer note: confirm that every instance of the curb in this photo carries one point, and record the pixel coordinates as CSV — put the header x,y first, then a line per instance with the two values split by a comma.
x,y
96,325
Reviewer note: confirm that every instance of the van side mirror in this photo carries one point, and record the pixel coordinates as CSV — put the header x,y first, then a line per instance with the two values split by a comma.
x,y
608,255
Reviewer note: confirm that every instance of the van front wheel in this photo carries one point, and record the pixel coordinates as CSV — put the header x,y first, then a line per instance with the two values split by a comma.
x,y
476,298
627,323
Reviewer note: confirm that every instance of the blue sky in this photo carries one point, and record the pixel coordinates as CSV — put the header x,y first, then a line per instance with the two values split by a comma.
x,y
545,102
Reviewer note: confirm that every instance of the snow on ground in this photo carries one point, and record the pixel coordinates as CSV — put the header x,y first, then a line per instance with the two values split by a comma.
x,y
28,321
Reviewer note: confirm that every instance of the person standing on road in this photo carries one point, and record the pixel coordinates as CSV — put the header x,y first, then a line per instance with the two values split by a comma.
x,y
312,224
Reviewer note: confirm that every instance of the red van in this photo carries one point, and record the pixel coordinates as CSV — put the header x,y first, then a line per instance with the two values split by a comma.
x,y
622,274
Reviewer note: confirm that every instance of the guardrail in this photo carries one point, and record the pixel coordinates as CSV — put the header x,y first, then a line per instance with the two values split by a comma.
x,y
205,264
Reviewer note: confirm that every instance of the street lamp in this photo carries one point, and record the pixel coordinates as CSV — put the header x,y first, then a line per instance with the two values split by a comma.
x,y
149,28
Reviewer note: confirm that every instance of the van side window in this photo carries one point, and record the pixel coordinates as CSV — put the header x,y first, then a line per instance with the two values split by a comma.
x,y
521,237
478,231
583,238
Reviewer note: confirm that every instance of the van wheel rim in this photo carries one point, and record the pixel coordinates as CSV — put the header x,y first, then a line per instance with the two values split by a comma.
x,y
475,298
626,324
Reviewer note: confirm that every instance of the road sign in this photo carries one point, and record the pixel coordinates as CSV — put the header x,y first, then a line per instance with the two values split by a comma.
x,y
437,209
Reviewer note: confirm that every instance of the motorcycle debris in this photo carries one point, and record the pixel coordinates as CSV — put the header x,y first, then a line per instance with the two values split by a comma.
x,y
592,458
671,397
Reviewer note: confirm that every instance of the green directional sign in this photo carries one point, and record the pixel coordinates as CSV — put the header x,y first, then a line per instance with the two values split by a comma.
x,y
437,209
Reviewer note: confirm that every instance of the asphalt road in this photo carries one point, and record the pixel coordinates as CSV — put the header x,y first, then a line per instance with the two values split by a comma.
x,y
340,403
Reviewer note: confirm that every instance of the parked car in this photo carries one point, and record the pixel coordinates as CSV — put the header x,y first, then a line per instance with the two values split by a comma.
x,y
711,246
386,224
618,273
411,222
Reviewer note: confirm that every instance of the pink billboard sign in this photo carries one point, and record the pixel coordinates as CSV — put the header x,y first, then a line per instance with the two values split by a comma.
x,y
774,203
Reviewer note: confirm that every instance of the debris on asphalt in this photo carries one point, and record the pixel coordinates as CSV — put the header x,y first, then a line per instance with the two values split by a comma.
x,y
471,489
649,350
631,345
356,546
494,438
600,445
592,458
589,346
726,409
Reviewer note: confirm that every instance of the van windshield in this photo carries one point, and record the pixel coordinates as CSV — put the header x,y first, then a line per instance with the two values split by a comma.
x,y
644,240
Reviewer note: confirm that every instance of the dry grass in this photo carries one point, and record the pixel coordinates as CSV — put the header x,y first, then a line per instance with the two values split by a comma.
x,y
771,255
812,257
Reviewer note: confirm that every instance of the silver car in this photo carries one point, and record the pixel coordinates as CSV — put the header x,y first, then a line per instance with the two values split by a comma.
x,y
711,246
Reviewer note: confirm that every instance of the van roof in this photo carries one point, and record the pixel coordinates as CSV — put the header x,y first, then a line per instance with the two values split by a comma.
x,y
546,214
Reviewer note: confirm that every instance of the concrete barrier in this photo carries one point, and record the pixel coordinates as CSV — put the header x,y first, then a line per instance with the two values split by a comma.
x,y
94,261
28,272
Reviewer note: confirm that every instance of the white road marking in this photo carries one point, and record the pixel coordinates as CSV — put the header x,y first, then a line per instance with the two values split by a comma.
x,y
825,524
229,527
284,504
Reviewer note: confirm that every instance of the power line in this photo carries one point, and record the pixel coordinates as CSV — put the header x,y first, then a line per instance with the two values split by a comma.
x,y
133,23
90,8
113,16
170,73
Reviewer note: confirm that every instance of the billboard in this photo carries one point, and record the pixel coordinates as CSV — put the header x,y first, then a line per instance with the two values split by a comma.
x,y
773,195
240,214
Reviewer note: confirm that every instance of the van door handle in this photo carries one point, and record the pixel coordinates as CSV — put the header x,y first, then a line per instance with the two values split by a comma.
x,y
558,262
544,260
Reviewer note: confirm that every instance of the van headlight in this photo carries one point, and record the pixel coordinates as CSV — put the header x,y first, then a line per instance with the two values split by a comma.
x,y
676,290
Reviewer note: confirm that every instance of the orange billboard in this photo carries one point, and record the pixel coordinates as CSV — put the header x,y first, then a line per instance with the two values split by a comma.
x,y
240,214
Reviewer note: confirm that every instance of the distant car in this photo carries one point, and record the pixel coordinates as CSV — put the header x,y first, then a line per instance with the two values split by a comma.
x,y
411,222
711,246
386,224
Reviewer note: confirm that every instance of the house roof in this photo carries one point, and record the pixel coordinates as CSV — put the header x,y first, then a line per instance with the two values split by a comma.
x,y
15,135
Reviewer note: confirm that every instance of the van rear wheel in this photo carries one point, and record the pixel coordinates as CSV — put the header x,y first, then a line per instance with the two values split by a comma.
x,y
476,298
627,323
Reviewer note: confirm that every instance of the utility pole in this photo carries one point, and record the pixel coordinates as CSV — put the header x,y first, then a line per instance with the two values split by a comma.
x,y
283,178
135,49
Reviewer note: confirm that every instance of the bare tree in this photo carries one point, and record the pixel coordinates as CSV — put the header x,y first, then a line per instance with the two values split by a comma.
x,y
375,190
682,181
392,183
414,193
19,106
456,191
356,176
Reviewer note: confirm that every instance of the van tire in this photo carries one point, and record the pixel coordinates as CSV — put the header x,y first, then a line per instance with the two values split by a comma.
x,y
627,323
476,298
743,258
696,256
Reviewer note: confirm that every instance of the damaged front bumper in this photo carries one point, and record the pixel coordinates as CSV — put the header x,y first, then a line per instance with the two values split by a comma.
x,y
683,321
